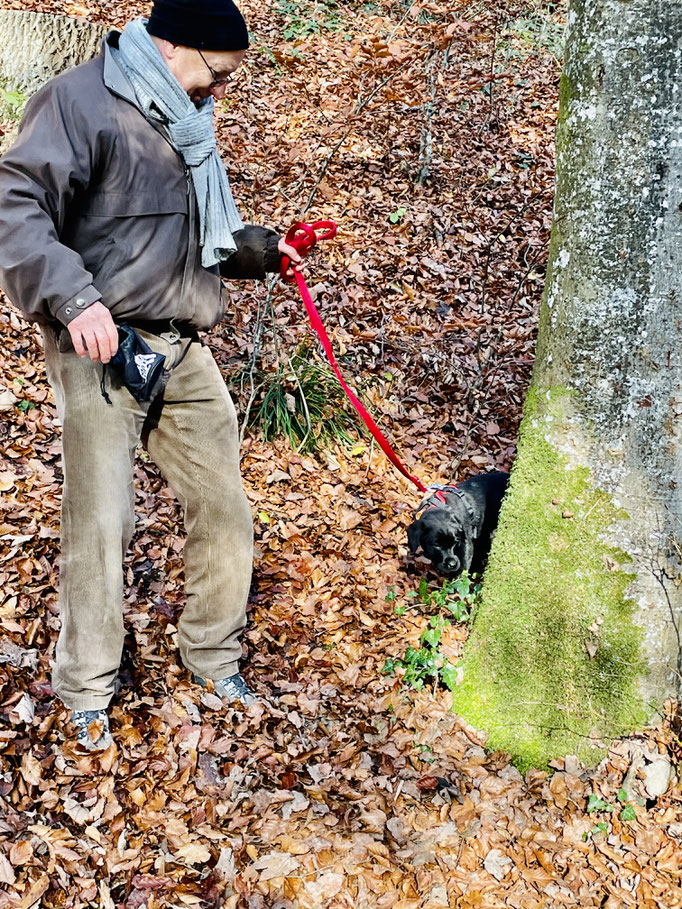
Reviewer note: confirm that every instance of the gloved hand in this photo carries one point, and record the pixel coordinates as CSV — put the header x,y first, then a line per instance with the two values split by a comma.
x,y
137,364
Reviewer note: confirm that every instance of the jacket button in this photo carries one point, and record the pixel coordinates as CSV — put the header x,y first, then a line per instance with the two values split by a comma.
x,y
68,310
80,303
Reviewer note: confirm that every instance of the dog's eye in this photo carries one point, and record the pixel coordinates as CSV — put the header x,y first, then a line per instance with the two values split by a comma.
x,y
446,540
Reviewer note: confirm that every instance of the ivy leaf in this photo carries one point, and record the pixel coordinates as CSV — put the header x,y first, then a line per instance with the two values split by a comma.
x,y
594,803
431,637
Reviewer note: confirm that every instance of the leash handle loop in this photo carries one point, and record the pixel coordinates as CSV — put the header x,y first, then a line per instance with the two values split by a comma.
x,y
303,237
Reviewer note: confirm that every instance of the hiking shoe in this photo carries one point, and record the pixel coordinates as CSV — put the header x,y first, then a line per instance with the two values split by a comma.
x,y
233,688
91,738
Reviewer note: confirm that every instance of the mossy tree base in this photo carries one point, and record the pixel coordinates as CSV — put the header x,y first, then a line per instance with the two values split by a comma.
x,y
552,664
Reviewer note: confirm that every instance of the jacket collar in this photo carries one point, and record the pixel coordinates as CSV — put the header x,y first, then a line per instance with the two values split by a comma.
x,y
114,77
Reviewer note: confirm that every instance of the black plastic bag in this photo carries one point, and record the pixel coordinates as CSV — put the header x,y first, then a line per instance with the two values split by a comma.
x,y
136,363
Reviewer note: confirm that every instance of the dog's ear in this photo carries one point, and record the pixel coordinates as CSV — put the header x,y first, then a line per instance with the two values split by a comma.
x,y
414,535
468,554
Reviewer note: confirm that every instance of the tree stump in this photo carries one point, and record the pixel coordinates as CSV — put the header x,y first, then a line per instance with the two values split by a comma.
x,y
34,47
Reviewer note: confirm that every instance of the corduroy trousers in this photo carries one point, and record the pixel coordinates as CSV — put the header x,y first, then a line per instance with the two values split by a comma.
x,y
194,440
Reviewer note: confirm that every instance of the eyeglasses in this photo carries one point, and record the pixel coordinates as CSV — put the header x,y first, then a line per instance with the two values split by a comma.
x,y
214,75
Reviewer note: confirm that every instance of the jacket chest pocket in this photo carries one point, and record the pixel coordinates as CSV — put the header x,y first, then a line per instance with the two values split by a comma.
x,y
133,205
128,238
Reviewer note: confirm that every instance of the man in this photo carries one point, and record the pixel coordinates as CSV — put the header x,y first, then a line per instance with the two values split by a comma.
x,y
115,208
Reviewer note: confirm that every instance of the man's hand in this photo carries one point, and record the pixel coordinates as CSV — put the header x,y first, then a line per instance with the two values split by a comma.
x,y
94,334
287,250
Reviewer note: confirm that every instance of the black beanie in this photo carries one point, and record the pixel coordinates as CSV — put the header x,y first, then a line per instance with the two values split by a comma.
x,y
212,25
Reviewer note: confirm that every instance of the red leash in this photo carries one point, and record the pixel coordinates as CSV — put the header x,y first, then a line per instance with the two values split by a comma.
x,y
303,237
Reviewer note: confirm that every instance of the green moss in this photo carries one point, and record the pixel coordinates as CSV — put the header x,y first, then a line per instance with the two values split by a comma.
x,y
552,664
566,92
12,102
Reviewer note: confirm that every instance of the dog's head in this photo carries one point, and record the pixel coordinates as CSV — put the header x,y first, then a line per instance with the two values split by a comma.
x,y
445,538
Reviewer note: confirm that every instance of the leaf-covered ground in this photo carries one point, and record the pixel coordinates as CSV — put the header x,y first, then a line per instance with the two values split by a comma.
x,y
426,132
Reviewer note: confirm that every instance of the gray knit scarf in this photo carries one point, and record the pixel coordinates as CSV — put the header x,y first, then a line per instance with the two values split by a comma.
x,y
191,130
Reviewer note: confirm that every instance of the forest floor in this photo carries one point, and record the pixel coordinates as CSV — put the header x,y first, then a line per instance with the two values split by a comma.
x,y
426,132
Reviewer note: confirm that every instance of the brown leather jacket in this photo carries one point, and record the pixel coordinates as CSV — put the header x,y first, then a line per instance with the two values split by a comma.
x,y
96,204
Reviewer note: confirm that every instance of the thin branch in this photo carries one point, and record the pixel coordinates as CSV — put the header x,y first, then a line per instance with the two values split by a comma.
x,y
255,355
361,106
395,30
429,109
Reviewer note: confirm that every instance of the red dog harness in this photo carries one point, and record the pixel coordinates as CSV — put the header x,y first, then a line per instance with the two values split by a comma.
x,y
440,496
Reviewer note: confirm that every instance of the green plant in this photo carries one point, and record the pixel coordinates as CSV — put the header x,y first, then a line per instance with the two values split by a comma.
x,y
599,827
426,662
308,19
305,402
628,813
426,753
535,32
269,53
14,102
457,598
595,803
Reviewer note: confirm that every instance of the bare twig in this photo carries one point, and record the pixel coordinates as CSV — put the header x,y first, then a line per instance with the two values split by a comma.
x,y
395,30
255,355
358,110
491,80
429,109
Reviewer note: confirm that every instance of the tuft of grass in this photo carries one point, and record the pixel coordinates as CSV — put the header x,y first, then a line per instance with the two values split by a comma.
x,y
304,402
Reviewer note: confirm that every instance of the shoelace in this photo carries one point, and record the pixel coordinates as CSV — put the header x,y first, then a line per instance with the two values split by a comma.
x,y
85,717
236,684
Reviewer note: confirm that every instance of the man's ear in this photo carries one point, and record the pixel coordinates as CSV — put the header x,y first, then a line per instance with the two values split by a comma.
x,y
166,49
414,536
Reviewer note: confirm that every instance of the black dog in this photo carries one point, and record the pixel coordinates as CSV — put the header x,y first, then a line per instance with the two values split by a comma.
x,y
454,526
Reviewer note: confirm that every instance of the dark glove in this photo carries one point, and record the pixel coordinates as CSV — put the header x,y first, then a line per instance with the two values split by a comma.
x,y
136,363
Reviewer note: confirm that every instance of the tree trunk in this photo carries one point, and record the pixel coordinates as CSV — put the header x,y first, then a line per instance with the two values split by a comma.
x,y
34,47
577,639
